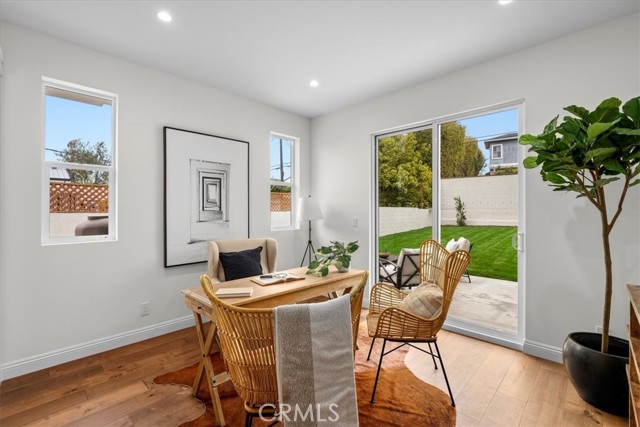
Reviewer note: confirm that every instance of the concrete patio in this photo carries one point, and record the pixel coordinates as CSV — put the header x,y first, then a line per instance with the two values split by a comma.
x,y
488,302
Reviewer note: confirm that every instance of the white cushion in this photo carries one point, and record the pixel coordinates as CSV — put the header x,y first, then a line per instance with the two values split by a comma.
x,y
388,270
464,244
451,246
405,252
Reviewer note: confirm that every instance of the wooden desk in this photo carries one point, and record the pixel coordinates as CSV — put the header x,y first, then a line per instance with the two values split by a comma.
x,y
262,297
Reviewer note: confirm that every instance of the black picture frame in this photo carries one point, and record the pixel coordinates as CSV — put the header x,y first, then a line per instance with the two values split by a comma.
x,y
206,193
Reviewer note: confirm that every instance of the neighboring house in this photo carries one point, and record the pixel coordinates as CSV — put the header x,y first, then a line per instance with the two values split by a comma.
x,y
503,151
58,174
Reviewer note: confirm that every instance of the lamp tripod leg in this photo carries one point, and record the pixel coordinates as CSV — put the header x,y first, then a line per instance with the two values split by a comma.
x,y
309,250
305,255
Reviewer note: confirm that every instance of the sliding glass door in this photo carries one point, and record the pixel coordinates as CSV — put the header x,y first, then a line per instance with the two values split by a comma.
x,y
457,179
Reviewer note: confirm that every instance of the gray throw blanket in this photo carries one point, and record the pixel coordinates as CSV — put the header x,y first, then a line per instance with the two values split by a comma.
x,y
314,362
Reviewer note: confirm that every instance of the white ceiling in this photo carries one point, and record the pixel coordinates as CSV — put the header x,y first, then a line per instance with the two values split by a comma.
x,y
270,50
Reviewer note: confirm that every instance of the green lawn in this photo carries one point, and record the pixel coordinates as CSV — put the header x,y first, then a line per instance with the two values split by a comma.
x,y
491,256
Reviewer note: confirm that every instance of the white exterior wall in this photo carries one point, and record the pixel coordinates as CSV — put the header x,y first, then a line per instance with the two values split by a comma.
x,y
397,220
488,200
62,302
563,251
64,224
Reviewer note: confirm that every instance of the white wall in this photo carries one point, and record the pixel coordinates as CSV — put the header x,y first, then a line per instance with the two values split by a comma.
x,y
75,297
564,270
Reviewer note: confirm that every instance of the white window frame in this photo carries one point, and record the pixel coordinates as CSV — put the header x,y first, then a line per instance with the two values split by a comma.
x,y
47,165
493,151
295,144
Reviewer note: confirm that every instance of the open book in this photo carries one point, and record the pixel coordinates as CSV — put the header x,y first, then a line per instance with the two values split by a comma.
x,y
234,292
273,278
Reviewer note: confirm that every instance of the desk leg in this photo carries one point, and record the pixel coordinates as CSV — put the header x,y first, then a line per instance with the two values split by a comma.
x,y
205,368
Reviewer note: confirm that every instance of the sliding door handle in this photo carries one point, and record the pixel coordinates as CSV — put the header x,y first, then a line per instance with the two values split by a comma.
x,y
516,241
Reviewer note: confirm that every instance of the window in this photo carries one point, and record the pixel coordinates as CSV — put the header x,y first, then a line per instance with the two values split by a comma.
x,y
283,181
79,164
496,151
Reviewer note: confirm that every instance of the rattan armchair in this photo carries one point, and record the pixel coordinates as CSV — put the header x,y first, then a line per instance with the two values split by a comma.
x,y
391,323
356,293
246,337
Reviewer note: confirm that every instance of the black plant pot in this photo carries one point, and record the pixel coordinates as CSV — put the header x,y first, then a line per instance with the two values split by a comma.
x,y
599,378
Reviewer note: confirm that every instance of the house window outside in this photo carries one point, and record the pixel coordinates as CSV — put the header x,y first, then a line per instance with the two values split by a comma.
x,y
79,164
496,151
283,181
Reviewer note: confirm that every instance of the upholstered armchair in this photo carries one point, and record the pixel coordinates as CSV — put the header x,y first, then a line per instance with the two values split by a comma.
x,y
267,256
403,273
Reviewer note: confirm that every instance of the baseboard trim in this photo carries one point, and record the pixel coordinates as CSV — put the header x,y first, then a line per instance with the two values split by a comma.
x,y
56,357
543,351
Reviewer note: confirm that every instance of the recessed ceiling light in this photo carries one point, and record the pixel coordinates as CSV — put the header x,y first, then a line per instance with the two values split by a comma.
x,y
314,83
164,16
504,1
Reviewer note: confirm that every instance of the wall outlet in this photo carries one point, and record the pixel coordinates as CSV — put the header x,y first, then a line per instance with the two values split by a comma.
x,y
354,223
598,329
145,309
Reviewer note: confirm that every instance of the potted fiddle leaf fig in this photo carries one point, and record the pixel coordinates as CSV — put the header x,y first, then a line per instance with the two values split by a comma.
x,y
338,254
585,154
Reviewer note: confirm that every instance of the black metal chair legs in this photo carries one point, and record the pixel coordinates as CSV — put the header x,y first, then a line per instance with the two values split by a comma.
x,y
435,366
434,356
375,384
444,372
248,421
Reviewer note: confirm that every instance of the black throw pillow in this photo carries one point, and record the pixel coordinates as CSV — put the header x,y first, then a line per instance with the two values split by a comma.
x,y
237,265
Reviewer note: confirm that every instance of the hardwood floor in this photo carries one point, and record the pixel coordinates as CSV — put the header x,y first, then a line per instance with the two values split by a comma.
x,y
497,386
112,388
493,386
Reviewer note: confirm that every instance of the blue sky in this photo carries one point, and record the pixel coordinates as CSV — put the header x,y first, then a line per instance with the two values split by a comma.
x,y
67,120
275,159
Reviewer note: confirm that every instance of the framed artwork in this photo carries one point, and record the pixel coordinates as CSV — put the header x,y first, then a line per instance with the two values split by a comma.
x,y
206,193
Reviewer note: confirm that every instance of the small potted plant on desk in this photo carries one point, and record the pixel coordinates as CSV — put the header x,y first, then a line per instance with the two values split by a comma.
x,y
584,154
338,254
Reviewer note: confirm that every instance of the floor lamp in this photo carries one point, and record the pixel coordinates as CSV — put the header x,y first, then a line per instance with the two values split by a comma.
x,y
308,210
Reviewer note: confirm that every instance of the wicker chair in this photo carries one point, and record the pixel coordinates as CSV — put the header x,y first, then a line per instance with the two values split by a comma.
x,y
356,293
391,323
247,342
